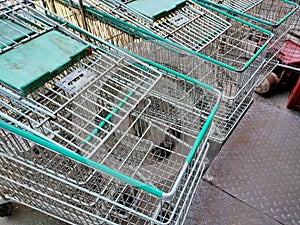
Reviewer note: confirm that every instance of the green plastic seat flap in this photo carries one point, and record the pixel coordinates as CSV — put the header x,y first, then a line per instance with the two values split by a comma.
x,y
152,9
32,64
11,32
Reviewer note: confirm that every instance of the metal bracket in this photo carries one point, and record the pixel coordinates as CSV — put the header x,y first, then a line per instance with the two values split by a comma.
x,y
76,80
179,20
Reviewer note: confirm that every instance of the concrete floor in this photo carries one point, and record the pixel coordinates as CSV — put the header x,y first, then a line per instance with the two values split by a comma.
x,y
23,215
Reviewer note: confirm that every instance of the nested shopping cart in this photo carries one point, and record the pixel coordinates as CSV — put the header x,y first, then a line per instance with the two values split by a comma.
x,y
276,16
92,135
224,53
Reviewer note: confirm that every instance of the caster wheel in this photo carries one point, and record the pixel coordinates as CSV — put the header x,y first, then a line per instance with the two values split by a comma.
x,y
5,209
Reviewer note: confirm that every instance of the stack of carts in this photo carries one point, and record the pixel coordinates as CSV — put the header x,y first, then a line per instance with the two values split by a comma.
x,y
107,106
90,134
203,43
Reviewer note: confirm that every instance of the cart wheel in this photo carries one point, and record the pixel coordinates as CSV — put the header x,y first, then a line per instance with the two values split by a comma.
x,y
5,209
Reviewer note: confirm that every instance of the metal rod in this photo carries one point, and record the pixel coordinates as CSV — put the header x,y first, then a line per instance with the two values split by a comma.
x,y
108,117
53,6
290,68
82,12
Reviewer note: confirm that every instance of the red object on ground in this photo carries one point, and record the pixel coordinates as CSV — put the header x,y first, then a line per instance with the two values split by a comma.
x,y
294,98
290,53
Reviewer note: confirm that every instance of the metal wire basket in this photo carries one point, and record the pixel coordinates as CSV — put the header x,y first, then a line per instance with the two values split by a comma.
x,y
276,16
97,139
232,68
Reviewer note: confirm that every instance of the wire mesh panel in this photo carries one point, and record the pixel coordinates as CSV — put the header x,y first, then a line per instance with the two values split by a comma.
x,y
229,63
95,135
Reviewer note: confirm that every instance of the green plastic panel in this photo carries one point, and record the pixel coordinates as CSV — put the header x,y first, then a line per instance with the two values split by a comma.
x,y
11,32
152,8
29,66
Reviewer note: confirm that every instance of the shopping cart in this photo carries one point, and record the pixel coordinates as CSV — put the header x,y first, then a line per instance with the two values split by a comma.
x,y
93,138
229,62
276,16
